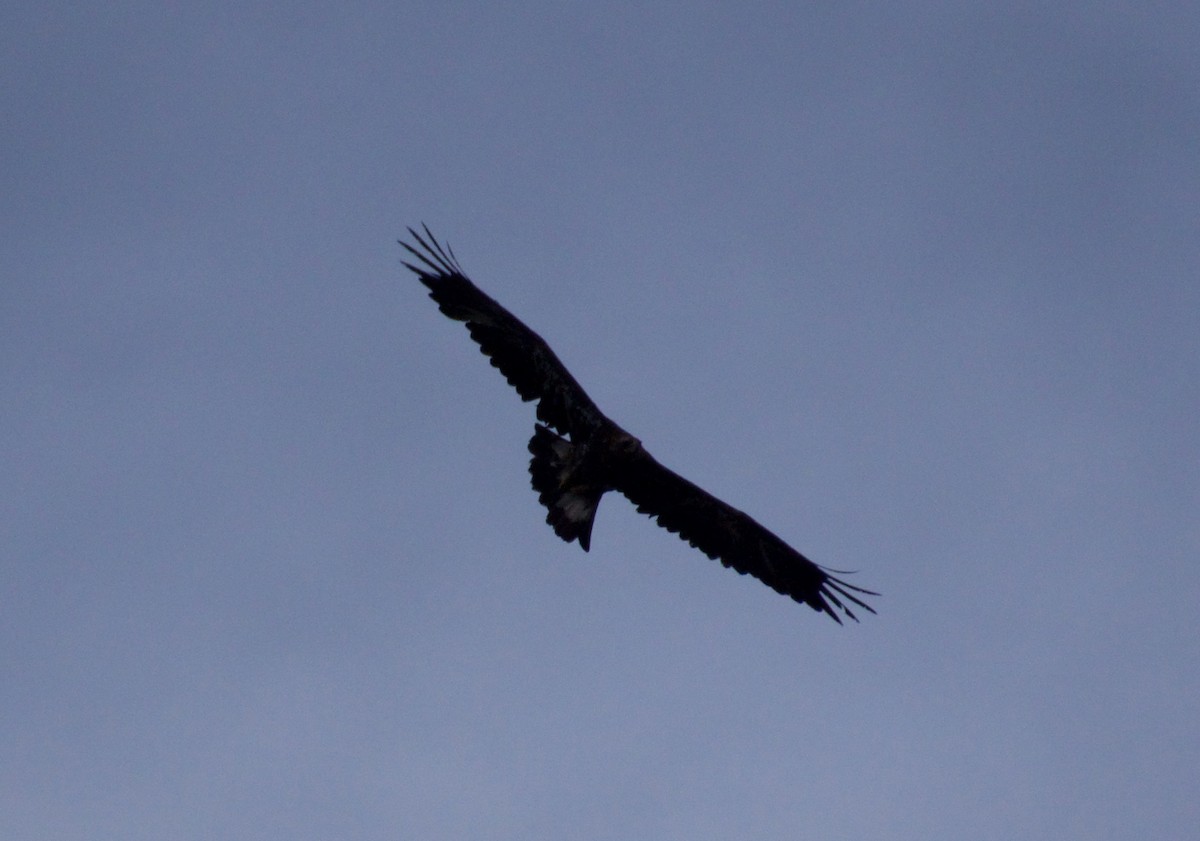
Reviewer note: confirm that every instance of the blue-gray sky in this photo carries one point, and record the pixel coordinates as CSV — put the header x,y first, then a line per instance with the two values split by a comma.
x,y
916,284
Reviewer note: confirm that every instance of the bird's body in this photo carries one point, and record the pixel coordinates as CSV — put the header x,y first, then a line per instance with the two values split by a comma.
x,y
579,454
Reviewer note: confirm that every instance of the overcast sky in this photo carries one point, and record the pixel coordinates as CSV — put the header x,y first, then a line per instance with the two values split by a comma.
x,y
916,284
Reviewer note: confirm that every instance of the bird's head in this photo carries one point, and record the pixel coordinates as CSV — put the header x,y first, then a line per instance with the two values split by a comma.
x,y
625,444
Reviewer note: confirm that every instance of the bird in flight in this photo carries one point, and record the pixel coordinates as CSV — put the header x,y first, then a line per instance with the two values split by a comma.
x,y
579,454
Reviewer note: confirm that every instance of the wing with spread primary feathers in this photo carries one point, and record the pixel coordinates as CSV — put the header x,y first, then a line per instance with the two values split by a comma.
x,y
726,534
570,476
519,353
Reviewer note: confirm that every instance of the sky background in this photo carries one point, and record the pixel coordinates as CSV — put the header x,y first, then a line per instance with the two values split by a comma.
x,y
915,284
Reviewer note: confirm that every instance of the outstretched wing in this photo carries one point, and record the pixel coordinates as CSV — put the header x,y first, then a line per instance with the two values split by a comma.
x,y
521,354
726,534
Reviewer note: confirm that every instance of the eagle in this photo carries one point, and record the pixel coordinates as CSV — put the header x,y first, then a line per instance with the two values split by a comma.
x,y
579,453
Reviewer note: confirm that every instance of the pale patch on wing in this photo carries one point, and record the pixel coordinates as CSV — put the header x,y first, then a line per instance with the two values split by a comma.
x,y
562,448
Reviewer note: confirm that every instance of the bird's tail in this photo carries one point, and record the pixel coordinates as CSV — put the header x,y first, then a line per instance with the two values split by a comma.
x,y
570,500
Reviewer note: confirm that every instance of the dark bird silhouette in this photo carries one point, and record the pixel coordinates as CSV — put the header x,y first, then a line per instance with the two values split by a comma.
x,y
579,453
